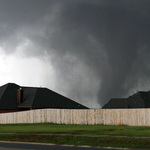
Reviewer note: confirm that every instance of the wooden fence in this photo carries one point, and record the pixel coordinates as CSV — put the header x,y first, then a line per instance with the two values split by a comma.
x,y
130,117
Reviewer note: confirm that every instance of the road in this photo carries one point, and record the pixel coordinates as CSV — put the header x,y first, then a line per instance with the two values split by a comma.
x,y
27,146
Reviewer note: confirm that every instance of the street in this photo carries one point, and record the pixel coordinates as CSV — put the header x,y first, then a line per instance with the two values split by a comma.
x,y
33,146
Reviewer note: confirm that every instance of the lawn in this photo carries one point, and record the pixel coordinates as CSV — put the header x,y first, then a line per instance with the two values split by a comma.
x,y
77,129
72,140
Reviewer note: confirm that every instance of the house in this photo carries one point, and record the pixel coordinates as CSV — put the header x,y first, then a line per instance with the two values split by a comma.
x,y
140,99
19,98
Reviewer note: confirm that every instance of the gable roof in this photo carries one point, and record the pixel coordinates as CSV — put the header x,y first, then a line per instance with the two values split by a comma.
x,y
140,99
34,97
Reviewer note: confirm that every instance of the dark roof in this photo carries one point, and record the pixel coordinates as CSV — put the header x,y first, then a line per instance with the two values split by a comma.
x,y
34,97
140,99
8,96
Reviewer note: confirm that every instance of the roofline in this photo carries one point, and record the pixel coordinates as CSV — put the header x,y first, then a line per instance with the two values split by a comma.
x,y
51,107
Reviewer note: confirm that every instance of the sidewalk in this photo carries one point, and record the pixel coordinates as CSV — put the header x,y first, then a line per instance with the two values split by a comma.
x,y
88,135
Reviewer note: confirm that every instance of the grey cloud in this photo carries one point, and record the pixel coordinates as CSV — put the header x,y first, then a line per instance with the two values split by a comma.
x,y
119,32
106,36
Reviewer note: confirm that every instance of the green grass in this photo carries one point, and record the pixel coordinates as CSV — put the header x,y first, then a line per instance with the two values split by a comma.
x,y
75,129
92,141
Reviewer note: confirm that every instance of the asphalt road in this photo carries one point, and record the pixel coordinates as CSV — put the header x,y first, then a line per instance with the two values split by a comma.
x,y
5,145
33,146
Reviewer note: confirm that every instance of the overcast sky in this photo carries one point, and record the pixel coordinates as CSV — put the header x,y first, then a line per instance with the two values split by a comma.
x,y
88,50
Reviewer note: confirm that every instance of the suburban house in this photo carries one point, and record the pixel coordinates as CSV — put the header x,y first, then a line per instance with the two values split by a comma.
x,y
140,99
19,98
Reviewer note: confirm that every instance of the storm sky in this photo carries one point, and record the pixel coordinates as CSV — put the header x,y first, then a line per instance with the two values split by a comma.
x,y
88,50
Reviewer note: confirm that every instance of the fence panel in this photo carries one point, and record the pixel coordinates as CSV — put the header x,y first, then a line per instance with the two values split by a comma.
x,y
130,117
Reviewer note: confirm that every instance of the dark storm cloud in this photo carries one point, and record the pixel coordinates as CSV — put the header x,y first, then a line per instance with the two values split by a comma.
x,y
110,38
118,32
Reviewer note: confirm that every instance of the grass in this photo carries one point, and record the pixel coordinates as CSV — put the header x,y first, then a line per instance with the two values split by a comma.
x,y
92,141
76,129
